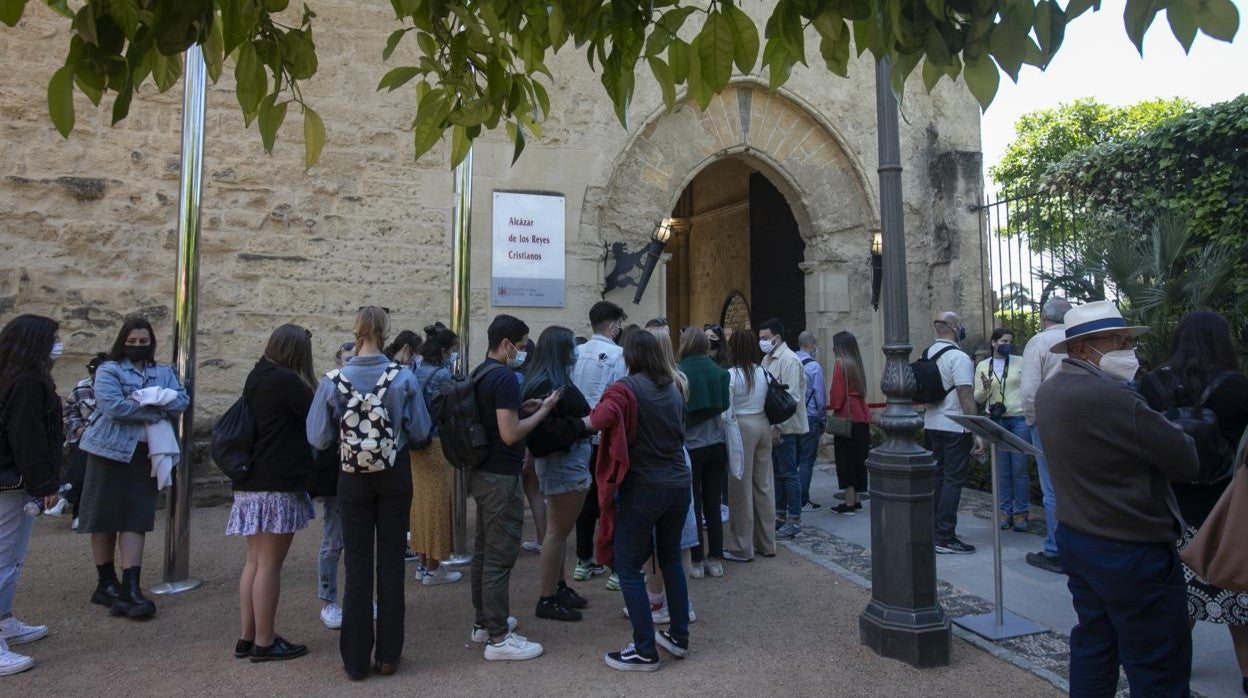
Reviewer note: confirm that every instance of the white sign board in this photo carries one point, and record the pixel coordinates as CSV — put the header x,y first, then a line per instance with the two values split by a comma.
x,y
528,259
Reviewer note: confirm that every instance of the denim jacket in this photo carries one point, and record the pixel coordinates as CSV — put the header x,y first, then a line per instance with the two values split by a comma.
x,y
599,363
118,420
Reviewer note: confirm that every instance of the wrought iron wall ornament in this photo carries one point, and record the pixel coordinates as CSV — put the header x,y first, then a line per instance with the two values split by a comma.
x,y
645,260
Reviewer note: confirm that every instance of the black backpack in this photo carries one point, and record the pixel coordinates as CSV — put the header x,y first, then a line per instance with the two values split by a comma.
x,y
778,404
234,440
929,387
464,440
1216,456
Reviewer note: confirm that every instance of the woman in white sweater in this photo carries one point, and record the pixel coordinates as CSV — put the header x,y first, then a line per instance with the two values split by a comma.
x,y
751,504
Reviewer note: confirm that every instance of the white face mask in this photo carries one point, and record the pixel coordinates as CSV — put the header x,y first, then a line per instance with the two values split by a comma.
x,y
57,350
1122,364
454,357
766,345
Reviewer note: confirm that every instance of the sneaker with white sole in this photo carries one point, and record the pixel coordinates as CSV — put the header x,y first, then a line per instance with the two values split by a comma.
x,y
442,575
74,524
480,636
737,557
57,509
12,662
533,546
659,614
331,616
954,547
15,632
714,568
512,648
789,530
674,647
697,570
613,582
628,659
586,569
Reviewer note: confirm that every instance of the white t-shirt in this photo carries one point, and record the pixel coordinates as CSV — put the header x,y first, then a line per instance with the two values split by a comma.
x,y
956,369
748,399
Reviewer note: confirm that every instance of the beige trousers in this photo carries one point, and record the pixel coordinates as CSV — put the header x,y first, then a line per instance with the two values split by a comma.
x,y
751,504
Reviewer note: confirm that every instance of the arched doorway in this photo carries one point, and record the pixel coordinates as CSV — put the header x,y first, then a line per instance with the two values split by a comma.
x,y
735,236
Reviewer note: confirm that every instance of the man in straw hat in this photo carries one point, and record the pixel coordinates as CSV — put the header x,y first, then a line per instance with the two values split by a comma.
x,y
1111,460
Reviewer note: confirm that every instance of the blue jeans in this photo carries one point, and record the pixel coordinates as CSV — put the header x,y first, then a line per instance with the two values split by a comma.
x,y
1132,607
952,452
331,550
15,529
1047,496
651,518
1014,470
807,451
788,487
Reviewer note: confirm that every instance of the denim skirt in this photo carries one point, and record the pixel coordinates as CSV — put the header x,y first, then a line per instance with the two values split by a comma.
x,y
562,472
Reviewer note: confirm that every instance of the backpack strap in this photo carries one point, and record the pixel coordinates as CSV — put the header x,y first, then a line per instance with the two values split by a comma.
x,y
388,376
1213,387
948,347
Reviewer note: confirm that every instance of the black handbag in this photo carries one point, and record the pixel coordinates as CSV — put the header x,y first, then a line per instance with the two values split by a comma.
x,y
1201,423
234,440
779,405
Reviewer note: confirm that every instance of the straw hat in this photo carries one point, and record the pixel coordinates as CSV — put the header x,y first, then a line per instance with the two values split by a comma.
x,y
1091,319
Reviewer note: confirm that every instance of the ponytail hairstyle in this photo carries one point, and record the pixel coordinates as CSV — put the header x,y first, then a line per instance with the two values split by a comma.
x,y
371,323
408,340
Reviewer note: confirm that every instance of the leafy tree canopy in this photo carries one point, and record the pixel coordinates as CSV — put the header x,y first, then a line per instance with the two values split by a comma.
x,y
481,59
1045,137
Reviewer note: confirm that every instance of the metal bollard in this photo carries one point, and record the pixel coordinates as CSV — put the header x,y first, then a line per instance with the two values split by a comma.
x,y
461,294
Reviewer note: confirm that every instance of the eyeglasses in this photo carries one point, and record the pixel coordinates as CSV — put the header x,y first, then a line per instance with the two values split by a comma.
x,y
656,322
383,308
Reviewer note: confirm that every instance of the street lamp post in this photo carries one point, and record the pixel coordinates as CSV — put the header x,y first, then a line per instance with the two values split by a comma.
x,y
904,619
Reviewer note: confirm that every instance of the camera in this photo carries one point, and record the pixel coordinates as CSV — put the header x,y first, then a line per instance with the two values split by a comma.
x,y
996,410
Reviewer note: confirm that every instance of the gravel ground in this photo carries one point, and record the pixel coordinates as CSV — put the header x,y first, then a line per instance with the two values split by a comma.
x,y
782,626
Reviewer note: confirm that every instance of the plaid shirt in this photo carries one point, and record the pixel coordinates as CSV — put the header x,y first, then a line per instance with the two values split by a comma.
x,y
78,410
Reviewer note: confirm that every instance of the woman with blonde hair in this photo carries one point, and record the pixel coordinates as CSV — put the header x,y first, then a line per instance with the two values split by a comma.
x,y
374,490
271,503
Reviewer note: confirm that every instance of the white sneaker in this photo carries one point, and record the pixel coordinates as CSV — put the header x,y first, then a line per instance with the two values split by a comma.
x,y
15,632
331,616
512,648
714,568
697,570
442,575
658,613
56,509
12,662
533,546
480,636
74,524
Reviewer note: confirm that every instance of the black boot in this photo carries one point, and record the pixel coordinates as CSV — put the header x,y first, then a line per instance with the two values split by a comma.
x,y
108,588
131,603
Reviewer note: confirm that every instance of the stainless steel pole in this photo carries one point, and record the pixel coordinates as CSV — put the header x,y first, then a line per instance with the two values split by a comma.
x,y
904,619
461,294
177,577
996,542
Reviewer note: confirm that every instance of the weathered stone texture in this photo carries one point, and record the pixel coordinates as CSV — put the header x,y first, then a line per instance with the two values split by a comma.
x,y
88,224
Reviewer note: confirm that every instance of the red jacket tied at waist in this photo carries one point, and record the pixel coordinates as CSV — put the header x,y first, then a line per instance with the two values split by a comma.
x,y
616,417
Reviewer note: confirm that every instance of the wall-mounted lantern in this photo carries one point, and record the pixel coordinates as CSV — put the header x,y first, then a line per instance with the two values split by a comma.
x,y
877,268
646,259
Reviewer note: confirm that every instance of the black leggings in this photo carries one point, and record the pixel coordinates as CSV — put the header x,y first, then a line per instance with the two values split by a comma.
x,y
709,465
588,520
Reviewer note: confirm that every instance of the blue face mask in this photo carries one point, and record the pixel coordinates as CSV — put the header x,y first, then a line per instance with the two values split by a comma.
x,y
961,334
453,357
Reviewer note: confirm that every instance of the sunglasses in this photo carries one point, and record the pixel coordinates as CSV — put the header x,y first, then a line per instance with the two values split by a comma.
x,y
383,308
657,322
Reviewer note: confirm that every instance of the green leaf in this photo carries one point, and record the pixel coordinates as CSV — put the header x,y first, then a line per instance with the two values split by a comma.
x,y
699,89
932,74
398,77
251,81
166,70
1074,8
126,14
982,79
313,137
430,115
84,24
1182,20
299,54
472,113
715,50
678,59
1007,46
89,82
392,42
744,38
555,26
1218,19
1050,29
239,18
663,76
11,11
121,105
460,145
1138,16
835,52
519,140
214,52
272,115
61,100
543,99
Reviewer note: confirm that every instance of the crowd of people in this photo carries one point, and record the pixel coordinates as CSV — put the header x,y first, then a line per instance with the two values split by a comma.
x,y
659,450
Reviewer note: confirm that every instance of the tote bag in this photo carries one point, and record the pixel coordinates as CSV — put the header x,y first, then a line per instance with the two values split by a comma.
x,y
1217,553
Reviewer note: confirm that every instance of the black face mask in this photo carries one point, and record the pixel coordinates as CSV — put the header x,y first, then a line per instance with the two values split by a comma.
x,y
137,354
715,344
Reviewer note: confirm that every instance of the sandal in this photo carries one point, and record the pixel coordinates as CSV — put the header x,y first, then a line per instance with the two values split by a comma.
x,y
1020,523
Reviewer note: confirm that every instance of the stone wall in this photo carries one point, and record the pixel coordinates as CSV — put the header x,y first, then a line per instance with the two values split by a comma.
x,y
88,223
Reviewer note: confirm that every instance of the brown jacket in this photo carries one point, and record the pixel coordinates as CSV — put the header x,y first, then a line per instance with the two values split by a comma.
x,y
1111,458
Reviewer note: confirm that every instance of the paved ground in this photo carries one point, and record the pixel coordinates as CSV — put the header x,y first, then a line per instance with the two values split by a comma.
x,y
785,626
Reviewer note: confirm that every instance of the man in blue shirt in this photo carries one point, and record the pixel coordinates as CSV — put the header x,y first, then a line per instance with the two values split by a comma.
x,y
816,414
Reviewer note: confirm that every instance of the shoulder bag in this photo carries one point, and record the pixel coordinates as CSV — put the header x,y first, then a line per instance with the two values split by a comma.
x,y
1217,553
